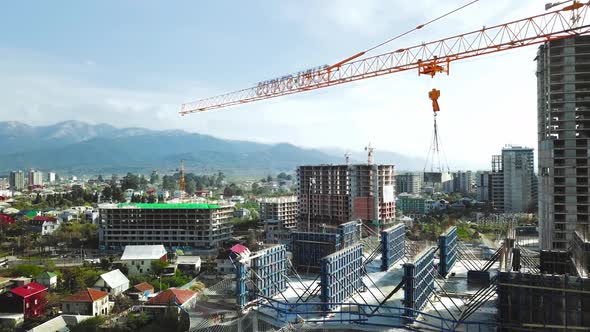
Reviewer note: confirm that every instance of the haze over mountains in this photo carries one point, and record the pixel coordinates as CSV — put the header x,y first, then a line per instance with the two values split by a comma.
x,y
74,146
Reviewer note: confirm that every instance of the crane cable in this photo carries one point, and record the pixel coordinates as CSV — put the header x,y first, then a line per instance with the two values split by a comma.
x,y
340,63
422,25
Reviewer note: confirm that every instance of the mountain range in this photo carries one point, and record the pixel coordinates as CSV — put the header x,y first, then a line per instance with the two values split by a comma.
x,y
79,147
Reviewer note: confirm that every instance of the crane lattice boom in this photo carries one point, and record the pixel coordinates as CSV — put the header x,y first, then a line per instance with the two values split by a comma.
x,y
429,58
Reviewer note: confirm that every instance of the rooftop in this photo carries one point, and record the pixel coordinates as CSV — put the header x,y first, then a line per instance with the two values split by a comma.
x,y
172,295
88,295
143,287
167,206
144,252
114,278
44,218
188,260
28,289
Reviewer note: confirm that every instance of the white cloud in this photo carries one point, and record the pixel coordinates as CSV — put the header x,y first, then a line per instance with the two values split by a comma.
x,y
485,102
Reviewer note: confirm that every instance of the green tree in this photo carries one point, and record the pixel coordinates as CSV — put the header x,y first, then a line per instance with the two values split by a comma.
x,y
158,266
37,199
169,183
118,195
26,270
130,181
107,193
151,199
154,178
89,325
191,186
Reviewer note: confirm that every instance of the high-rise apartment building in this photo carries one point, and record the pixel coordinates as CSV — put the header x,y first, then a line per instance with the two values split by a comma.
x,y
511,185
463,182
17,180
483,186
335,194
409,182
497,183
51,177
35,178
519,178
563,109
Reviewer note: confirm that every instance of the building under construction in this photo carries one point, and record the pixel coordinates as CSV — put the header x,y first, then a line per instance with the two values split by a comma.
x,y
336,194
279,216
563,98
202,227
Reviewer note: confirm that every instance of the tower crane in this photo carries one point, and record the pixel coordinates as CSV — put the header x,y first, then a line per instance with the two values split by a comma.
x,y
182,183
428,58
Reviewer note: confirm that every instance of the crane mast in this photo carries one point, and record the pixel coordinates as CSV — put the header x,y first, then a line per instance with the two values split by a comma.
x,y
428,58
182,183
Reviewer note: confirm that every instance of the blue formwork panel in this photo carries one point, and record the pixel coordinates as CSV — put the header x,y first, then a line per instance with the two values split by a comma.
x,y
340,275
268,269
419,281
349,233
241,294
309,248
447,245
393,244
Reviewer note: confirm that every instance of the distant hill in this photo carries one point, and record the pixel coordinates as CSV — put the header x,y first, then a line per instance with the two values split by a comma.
x,y
80,147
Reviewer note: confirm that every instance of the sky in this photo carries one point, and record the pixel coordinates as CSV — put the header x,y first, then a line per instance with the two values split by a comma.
x,y
133,63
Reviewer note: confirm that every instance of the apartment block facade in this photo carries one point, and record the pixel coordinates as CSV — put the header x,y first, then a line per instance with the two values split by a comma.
x,y
283,209
410,183
563,109
335,194
199,226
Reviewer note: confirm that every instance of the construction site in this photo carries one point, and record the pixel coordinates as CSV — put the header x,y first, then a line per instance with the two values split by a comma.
x,y
350,266
385,281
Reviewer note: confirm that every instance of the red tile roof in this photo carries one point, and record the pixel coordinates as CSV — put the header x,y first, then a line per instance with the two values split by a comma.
x,y
88,295
144,286
29,289
44,218
167,297
6,219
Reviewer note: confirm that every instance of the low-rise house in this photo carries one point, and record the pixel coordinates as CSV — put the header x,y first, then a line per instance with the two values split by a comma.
x,y
29,300
90,302
11,320
113,282
204,193
66,216
138,259
189,264
91,217
242,213
47,279
5,285
20,281
60,323
223,263
44,225
171,299
140,291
